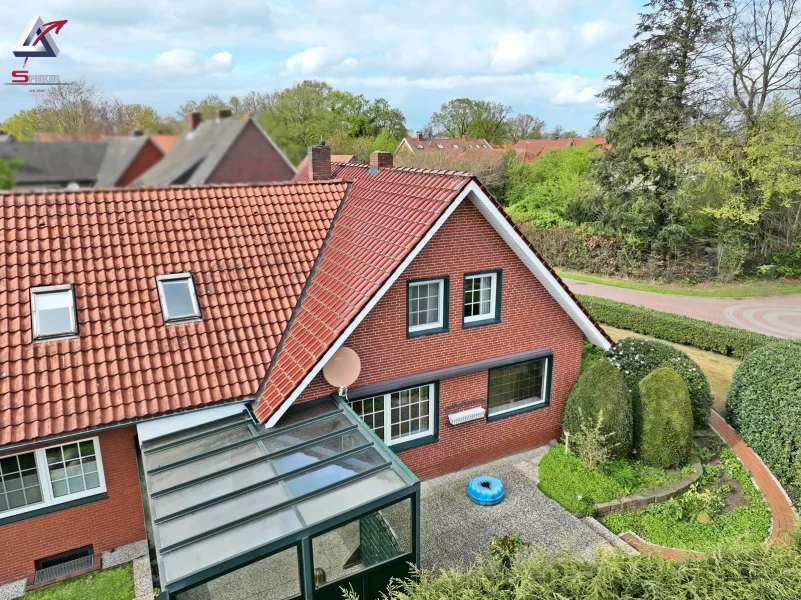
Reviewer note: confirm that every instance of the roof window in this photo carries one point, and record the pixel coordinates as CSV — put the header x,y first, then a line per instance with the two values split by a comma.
x,y
419,146
178,298
53,312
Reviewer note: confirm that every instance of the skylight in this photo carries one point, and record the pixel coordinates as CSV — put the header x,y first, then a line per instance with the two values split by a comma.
x,y
440,146
53,312
178,298
456,145
419,146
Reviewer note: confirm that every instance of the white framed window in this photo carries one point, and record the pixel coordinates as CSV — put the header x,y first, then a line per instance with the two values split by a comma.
x,y
427,305
400,416
518,386
419,146
53,312
178,297
50,476
481,297
440,146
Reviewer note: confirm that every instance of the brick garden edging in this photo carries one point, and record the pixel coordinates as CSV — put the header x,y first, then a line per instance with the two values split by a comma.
x,y
654,496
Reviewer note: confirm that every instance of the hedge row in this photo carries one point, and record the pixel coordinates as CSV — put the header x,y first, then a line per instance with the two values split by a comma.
x,y
703,335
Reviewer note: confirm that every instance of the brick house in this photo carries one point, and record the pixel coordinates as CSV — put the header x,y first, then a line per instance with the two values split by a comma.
x,y
139,314
227,149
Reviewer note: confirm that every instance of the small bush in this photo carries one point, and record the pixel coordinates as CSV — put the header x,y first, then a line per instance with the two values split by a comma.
x,y
764,405
637,358
729,341
667,431
602,388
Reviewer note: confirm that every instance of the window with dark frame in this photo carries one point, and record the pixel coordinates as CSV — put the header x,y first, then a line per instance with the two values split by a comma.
x,y
399,416
426,306
517,386
178,298
53,312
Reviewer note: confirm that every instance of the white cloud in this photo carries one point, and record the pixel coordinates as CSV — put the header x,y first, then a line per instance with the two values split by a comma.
x,y
309,61
180,60
572,95
518,50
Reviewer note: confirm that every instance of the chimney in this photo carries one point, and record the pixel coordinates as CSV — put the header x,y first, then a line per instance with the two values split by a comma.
x,y
319,162
419,136
223,113
382,160
193,119
137,133
464,136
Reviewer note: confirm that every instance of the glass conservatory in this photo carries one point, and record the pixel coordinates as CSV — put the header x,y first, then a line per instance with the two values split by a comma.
x,y
317,503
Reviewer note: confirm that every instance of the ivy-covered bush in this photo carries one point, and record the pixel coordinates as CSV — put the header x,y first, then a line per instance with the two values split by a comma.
x,y
730,341
637,358
602,388
764,406
667,428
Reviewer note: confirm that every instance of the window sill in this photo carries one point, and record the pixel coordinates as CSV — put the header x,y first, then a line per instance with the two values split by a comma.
x,y
422,441
45,510
424,332
468,325
516,411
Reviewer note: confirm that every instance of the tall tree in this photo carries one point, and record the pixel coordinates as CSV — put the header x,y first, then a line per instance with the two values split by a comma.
x,y
526,127
476,118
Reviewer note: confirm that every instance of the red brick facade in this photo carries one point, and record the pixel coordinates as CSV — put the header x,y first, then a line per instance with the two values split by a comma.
x,y
530,319
148,156
251,159
105,524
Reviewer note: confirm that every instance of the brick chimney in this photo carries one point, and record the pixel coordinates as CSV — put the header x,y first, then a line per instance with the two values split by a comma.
x,y
319,162
382,160
419,136
193,119
464,136
223,113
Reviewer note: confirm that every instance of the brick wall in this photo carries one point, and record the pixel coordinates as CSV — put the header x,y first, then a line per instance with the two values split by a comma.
x,y
251,159
148,156
530,319
105,524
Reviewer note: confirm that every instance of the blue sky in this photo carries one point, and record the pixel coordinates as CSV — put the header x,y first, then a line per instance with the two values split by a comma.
x,y
545,57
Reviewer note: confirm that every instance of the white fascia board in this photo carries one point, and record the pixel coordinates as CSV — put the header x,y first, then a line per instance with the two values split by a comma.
x,y
148,430
470,188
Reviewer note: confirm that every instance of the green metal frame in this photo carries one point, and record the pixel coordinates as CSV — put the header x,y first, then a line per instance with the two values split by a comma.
x,y
498,287
524,409
446,301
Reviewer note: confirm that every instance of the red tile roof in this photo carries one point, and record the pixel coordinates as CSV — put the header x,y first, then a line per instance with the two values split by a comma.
x,y
537,147
385,216
446,143
302,171
250,250
164,141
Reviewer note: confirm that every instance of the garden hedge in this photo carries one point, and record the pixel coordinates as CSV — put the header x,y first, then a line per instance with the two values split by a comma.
x,y
764,405
602,387
667,428
636,358
678,329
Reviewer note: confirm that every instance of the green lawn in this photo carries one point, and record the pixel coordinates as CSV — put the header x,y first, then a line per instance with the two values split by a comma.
x,y
745,289
110,584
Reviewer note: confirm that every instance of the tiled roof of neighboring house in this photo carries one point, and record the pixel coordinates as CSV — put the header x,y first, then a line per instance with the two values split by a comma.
x,y
164,141
55,163
450,144
536,147
302,173
120,153
249,248
63,136
386,216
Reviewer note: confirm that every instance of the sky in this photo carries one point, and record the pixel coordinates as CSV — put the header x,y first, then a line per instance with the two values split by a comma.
x,y
543,57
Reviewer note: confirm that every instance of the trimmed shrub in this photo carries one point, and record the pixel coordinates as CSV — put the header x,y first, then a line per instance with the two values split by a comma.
x,y
637,358
678,329
602,388
764,406
667,428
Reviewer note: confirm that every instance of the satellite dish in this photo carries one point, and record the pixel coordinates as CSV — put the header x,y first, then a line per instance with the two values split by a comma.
x,y
342,369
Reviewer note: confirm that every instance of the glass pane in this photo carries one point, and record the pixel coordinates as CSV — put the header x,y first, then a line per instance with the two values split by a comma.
x,y
33,494
74,468
16,499
273,578
193,431
3,503
60,488
53,455
322,450
76,484
54,322
516,385
315,409
92,480
87,448
238,540
13,481
372,539
57,472
9,465
161,458
70,451
178,296
27,461
334,473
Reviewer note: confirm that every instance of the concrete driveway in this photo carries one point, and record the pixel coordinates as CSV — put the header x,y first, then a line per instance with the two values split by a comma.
x,y
773,315
454,529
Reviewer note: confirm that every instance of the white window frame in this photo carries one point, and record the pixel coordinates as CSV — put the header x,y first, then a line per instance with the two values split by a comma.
x,y
420,146
493,297
42,471
49,289
387,439
440,323
165,313
543,392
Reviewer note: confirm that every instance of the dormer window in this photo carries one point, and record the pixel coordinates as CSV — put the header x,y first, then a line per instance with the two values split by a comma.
x,y
178,298
53,312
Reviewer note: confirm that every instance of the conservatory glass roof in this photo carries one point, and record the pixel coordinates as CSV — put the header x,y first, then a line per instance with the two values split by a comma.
x,y
223,489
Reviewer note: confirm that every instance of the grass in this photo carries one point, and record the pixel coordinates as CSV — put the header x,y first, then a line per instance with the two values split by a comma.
x,y
109,584
563,477
743,289
744,524
718,369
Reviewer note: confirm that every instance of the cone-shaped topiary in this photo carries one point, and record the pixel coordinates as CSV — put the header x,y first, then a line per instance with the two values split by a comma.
x,y
667,429
602,388
764,405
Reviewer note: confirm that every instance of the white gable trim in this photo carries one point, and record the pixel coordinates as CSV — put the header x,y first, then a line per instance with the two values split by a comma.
x,y
518,245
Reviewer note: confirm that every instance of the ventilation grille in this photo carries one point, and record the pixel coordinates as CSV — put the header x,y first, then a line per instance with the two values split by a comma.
x,y
463,416
60,565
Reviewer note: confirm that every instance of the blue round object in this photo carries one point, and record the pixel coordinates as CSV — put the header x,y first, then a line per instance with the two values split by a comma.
x,y
485,490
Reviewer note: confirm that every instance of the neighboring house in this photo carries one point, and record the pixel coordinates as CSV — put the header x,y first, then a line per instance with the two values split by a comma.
x,y
6,137
223,150
176,308
111,162
451,145
302,173
530,150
